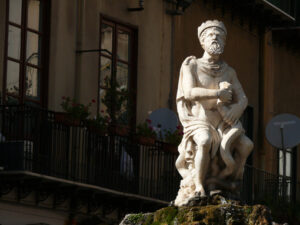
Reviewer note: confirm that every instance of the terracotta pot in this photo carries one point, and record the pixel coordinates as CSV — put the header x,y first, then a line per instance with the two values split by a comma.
x,y
65,118
170,148
97,130
120,130
146,140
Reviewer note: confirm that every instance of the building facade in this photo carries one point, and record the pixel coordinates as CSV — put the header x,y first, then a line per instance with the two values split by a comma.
x,y
54,49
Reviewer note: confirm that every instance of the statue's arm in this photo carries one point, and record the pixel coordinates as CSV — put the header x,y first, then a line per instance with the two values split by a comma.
x,y
190,89
240,96
241,101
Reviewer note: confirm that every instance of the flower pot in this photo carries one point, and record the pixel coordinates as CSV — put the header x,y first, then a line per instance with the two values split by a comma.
x,y
146,140
120,130
170,148
61,117
66,119
97,130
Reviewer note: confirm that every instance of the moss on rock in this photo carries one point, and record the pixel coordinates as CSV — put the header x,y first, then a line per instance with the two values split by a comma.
x,y
226,213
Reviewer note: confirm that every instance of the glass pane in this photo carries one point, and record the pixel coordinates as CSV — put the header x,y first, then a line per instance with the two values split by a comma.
x,y
106,39
33,48
105,75
280,162
12,77
122,76
14,42
288,188
15,11
104,102
11,100
121,108
34,14
123,45
288,164
32,82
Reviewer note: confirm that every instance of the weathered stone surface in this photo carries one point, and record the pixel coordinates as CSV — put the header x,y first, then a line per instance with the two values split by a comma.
x,y
138,219
210,100
215,211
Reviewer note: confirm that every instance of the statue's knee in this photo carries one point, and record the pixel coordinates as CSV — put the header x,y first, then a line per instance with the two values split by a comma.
x,y
204,143
179,162
247,145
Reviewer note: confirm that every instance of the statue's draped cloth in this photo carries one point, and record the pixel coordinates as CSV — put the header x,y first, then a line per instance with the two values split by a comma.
x,y
191,124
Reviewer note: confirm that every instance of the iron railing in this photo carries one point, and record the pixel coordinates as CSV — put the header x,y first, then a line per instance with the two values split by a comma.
x,y
288,6
261,186
35,140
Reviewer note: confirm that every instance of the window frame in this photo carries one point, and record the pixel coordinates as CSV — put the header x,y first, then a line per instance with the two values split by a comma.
x,y
43,67
293,169
132,61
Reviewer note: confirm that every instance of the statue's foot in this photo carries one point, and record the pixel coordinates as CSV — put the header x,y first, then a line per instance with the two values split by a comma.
x,y
172,203
200,192
215,192
197,200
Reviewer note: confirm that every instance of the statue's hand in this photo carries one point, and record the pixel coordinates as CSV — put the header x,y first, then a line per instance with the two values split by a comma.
x,y
232,115
225,95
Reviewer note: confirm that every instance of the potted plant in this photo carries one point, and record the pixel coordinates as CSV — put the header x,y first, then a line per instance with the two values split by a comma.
x,y
74,112
116,99
145,133
99,124
173,139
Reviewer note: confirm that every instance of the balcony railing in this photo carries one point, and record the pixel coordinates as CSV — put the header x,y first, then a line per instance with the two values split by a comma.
x,y
32,139
36,142
287,6
261,186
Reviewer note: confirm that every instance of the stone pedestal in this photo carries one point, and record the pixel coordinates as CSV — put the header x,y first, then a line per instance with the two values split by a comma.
x,y
214,210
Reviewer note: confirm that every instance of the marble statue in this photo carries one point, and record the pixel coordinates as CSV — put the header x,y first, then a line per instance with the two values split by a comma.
x,y
210,100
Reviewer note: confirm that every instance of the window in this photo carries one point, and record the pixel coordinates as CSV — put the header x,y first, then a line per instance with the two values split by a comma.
x,y
288,162
25,56
117,79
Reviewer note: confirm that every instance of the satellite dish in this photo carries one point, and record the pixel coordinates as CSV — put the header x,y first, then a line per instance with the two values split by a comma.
x,y
283,131
164,119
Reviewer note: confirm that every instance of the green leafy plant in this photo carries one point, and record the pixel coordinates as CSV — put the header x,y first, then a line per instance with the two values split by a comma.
x,y
175,137
100,122
145,129
75,109
116,99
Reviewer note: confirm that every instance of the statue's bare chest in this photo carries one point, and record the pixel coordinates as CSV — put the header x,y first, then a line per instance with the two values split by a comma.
x,y
211,82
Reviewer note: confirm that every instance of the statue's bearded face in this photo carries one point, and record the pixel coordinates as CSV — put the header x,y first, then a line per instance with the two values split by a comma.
x,y
213,40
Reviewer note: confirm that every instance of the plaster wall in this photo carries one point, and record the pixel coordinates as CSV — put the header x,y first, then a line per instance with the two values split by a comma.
x,y
62,52
287,80
71,76
286,86
241,51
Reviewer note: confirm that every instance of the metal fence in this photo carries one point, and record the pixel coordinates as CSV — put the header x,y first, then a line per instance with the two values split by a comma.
x,y
288,6
36,140
261,186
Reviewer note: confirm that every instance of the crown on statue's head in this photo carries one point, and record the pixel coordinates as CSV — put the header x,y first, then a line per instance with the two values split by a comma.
x,y
211,23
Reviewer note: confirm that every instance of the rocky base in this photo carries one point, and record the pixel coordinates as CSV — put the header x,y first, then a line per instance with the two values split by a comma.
x,y
215,210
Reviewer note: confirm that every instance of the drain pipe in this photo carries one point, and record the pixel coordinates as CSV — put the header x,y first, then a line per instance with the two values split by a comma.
x,y
170,100
140,8
79,29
